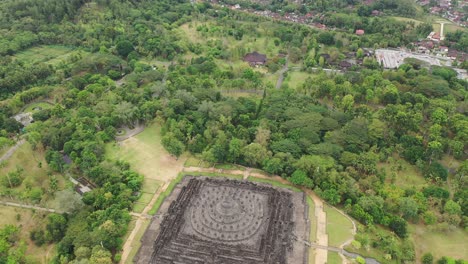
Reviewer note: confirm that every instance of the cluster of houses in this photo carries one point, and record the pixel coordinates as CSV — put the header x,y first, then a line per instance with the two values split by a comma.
x,y
445,9
432,46
255,59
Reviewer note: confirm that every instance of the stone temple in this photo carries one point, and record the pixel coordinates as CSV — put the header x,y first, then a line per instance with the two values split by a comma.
x,y
221,221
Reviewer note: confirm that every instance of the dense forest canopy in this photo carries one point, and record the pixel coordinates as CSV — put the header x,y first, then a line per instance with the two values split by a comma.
x,y
331,133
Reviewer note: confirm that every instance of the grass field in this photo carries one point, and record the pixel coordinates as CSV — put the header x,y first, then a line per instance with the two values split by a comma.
x,y
334,258
296,79
146,155
33,107
339,228
405,19
409,176
452,244
35,170
52,54
196,162
28,221
313,223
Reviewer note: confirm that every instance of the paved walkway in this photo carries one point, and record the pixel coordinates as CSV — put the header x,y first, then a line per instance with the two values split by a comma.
x,y
12,150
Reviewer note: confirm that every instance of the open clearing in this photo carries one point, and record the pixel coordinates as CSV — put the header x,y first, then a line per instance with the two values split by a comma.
x,y
409,176
295,79
35,169
33,107
27,220
146,155
451,243
339,228
52,54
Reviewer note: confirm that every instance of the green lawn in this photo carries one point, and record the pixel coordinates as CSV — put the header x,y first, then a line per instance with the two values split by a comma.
x,y
146,155
451,243
196,162
405,19
33,107
296,78
409,176
229,166
312,219
333,258
339,228
52,54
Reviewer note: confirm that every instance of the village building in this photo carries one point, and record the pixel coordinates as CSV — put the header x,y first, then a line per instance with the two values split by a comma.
x,y
255,58
434,36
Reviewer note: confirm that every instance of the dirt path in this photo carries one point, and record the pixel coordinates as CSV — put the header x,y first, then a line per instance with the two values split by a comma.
x,y
27,206
143,217
281,74
12,150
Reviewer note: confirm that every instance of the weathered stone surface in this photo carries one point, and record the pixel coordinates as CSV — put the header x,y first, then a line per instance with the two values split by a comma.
x,y
208,220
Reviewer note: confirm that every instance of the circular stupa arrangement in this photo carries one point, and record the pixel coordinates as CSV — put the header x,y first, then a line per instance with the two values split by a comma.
x,y
227,214
223,221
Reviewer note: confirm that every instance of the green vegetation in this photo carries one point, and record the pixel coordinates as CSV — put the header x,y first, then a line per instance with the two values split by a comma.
x,y
273,183
51,54
440,241
313,224
137,242
376,142
26,176
339,228
22,222
334,258
34,107
165,193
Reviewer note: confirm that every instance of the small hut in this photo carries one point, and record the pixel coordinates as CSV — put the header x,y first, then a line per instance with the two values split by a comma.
x,y
255,58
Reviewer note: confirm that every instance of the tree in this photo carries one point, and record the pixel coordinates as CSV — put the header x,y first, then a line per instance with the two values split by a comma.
x,y
100,256
300,178
173,145
399,226
408,208
326,38
452,208
254,154
124,48
56,226
235,149
347,103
